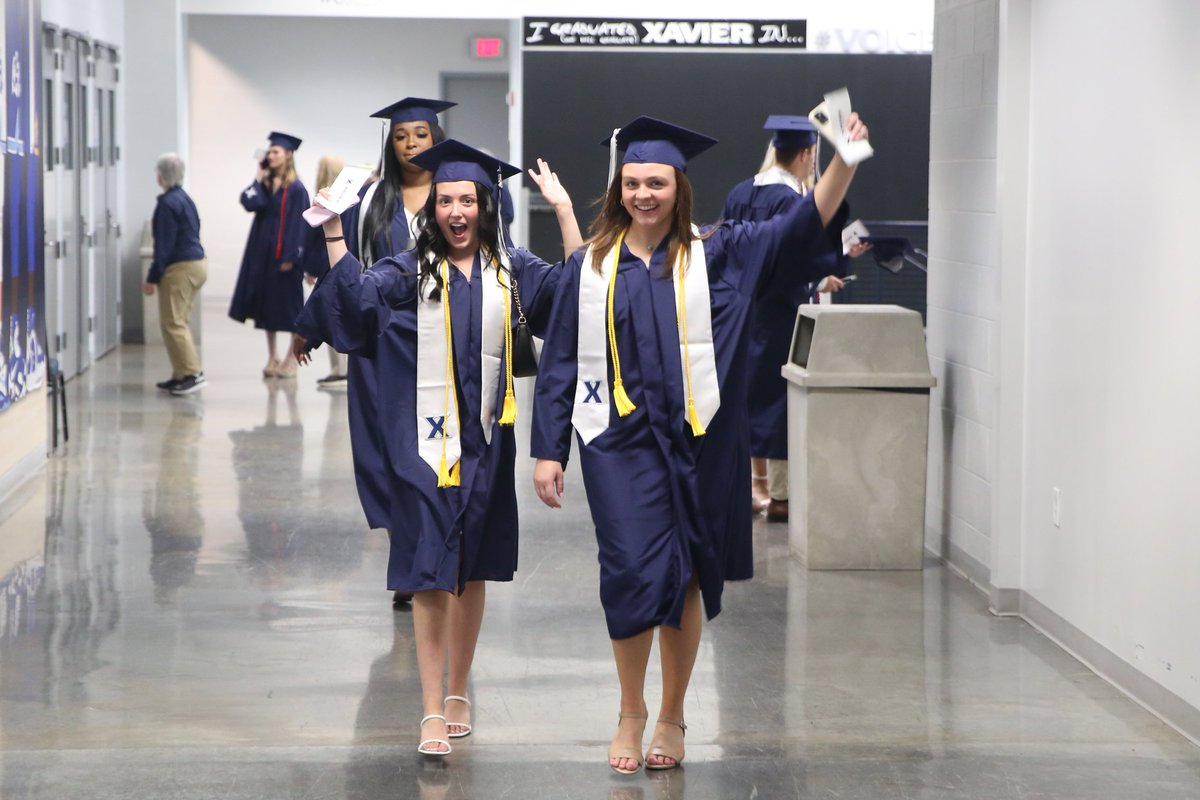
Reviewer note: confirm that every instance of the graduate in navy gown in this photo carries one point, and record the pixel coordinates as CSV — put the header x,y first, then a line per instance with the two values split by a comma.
x,y
788,173
385,219
647,363
268,288
433,321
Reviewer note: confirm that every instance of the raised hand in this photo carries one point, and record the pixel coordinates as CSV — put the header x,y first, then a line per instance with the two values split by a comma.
x,y
552,188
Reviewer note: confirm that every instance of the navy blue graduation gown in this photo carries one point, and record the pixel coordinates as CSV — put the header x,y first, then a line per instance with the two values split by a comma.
x,y
663,501
440,538
362,405
773,316
264,293
370,472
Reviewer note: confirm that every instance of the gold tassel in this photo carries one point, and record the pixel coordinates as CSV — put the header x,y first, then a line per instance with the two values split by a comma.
x,y
510,409
624,405
443,473
456,474
694,418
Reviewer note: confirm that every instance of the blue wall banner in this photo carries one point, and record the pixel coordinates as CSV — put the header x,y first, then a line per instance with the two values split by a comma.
x,y
22,277
574,32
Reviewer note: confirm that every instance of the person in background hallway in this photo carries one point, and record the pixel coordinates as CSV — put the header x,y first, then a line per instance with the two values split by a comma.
x,y
644,358
316,264
268,288
788,172
177,272
435,321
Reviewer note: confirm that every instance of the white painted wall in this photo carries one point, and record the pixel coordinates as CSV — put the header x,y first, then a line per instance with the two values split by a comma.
x,y
1062,315
103,20
1112,377
963,288
241,89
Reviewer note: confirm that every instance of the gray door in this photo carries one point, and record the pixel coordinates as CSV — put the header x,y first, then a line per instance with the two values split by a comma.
x,y
101,221
73,291
52,163
481,117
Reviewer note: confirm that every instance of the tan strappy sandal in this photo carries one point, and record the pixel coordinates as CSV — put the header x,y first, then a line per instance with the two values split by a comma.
x,y
664,752
632,753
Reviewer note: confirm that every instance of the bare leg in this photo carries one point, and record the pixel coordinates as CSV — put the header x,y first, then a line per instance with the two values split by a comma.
x,y
430,617
758,484
271,346
466,616
678,650
632,655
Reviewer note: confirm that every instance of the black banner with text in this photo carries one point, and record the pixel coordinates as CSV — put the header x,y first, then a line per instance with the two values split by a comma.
x,y
570,32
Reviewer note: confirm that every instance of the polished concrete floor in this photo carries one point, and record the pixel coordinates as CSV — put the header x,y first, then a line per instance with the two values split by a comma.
x,y
191,607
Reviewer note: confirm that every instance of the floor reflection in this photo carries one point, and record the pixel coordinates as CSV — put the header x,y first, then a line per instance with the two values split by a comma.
x,y
171,505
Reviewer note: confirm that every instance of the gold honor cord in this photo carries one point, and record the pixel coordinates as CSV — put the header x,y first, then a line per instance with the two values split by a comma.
x,y
451,476
509,414
624,405
693,416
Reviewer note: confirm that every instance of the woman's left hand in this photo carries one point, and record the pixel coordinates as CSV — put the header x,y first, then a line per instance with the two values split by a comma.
x,y
286,266
552,189
300,348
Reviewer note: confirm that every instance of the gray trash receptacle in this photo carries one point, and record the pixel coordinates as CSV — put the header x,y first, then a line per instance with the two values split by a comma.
x,y
858,431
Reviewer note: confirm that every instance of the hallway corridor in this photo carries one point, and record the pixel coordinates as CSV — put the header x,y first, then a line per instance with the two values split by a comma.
x,y
191,607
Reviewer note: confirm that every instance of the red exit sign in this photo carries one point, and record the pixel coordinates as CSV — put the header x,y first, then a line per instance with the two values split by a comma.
x,y
487,47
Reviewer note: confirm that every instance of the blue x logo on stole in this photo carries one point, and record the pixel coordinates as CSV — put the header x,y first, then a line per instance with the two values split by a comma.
x,y
593,392
437,427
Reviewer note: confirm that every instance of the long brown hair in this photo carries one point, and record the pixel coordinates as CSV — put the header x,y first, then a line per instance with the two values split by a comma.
x,y
614,218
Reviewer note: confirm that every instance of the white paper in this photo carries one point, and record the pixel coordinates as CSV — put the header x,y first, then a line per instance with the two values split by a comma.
x,y
852,234
832,117
343,193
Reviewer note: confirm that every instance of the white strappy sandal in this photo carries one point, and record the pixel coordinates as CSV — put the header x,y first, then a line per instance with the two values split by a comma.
x,y
466,726
423,748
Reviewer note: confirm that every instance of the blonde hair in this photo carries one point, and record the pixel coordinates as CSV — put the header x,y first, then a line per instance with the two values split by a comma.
x,y
327,169
771,159
287,176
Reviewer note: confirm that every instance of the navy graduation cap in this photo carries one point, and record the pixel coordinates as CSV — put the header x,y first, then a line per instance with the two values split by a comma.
x,y
791,132
413,109
452,160
891,252
647,140
284,140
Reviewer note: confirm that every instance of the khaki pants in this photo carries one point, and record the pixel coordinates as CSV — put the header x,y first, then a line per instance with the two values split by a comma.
x,y
176,292
777,479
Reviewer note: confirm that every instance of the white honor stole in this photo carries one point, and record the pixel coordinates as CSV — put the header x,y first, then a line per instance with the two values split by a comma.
x,y
697,355
437,417
777,174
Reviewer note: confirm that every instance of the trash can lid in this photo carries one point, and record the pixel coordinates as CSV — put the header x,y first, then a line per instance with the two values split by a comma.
x,y
869,346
